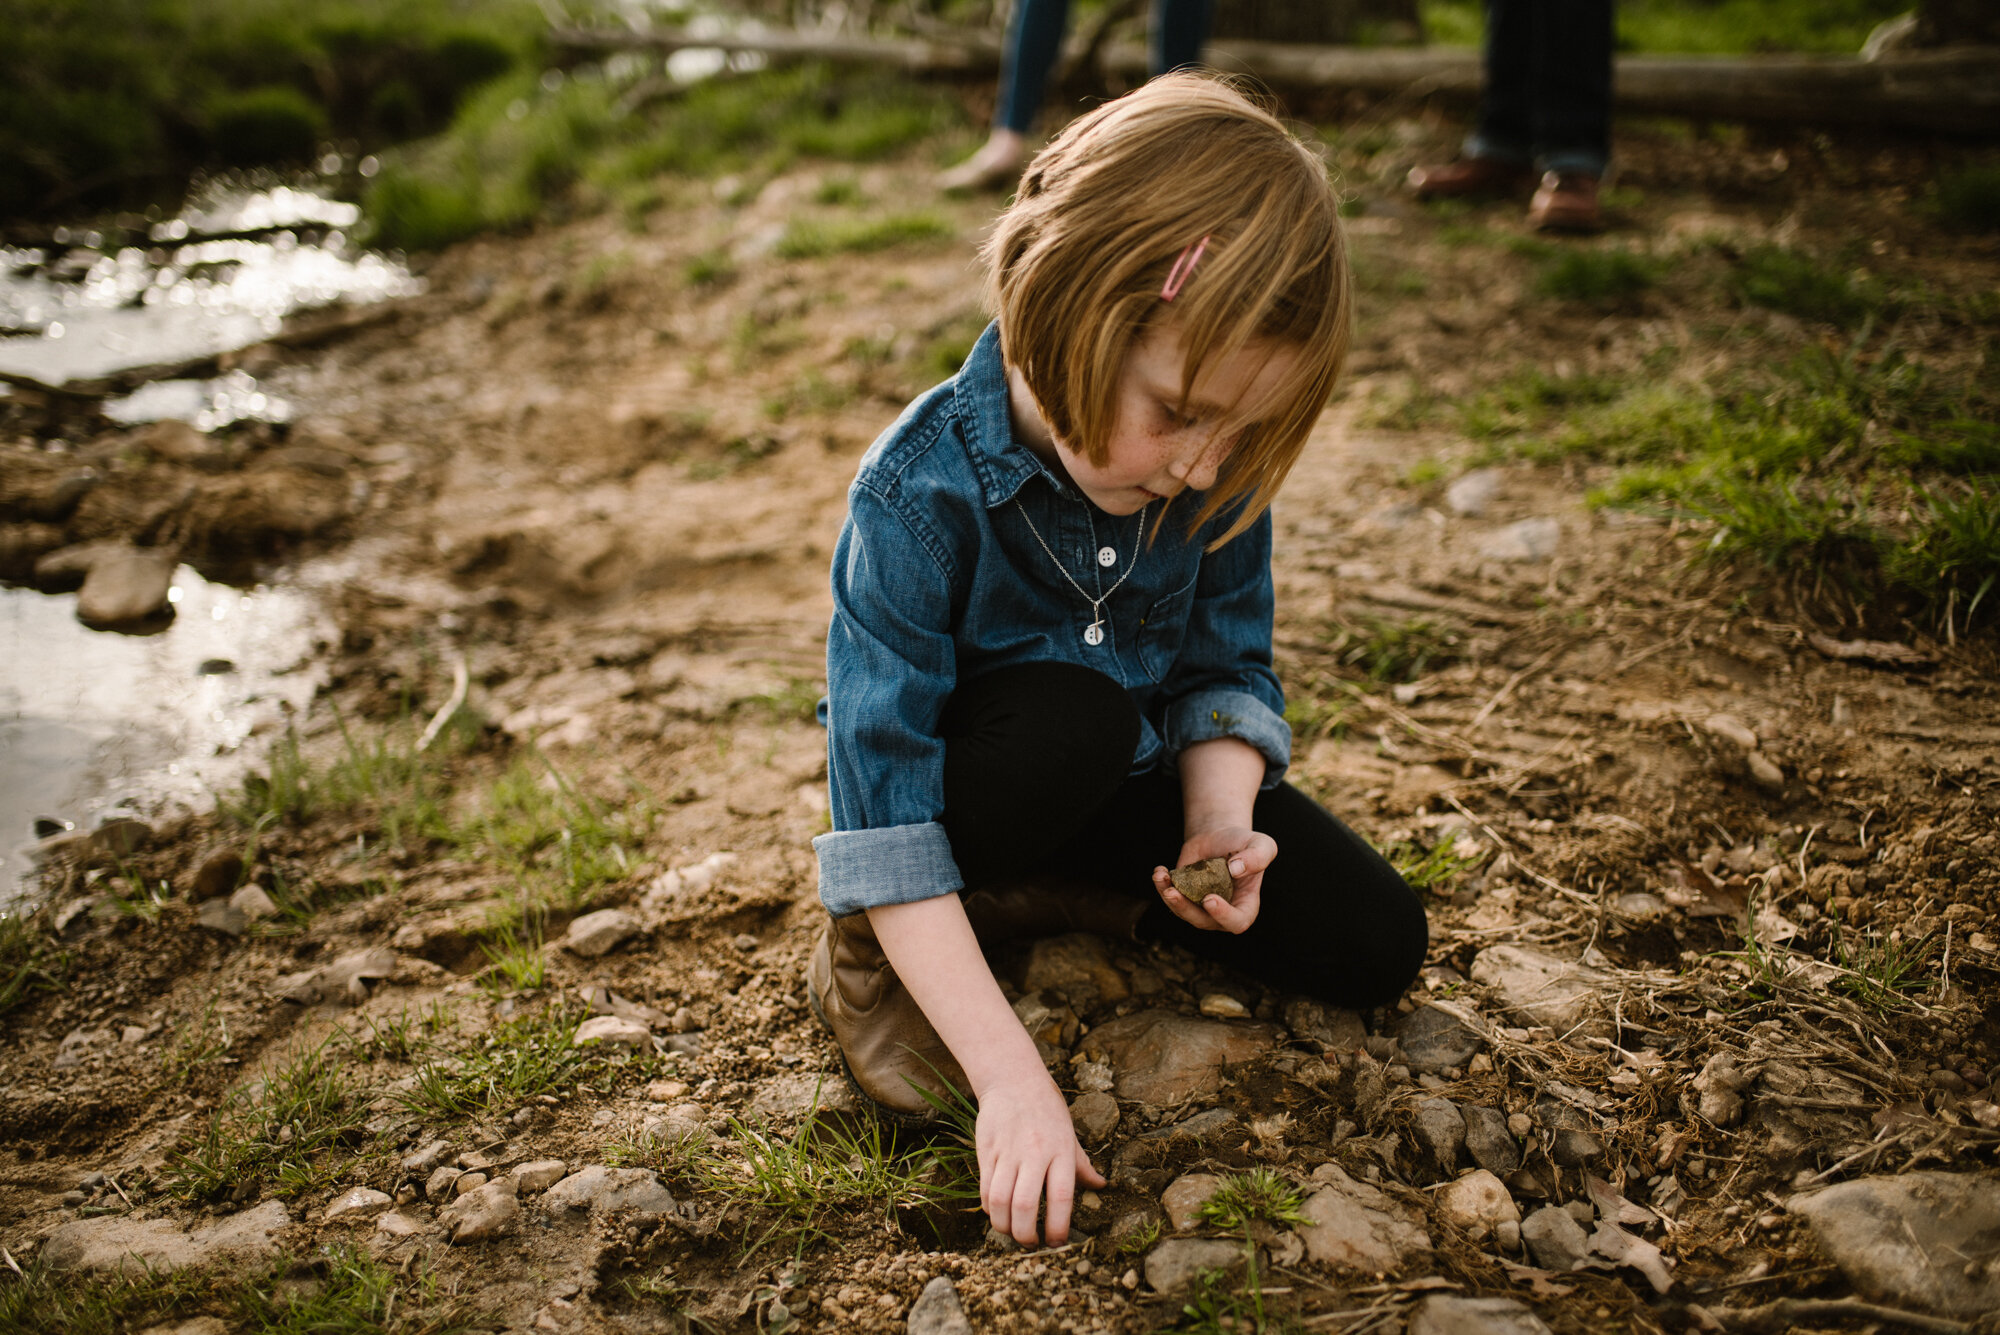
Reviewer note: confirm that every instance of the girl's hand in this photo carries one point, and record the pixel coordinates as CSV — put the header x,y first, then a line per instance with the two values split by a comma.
x,y
1027,1146
1249,853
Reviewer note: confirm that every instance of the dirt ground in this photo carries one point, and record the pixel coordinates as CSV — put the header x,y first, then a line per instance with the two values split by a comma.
x,y
611,491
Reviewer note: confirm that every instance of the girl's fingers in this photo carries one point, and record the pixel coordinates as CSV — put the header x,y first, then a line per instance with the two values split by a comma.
x,y
1027,1196
999,1198
1062,1191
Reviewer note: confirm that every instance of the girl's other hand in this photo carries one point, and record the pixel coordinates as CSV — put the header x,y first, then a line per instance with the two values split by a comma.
x,y
1249,853
1028,1147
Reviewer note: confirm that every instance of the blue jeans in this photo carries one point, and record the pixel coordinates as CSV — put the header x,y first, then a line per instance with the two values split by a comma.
x,y
1547,99
1034,39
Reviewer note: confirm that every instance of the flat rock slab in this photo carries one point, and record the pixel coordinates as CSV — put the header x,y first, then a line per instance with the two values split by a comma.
x,y
126,587
483,1213
1077,965
1433,1041
1177,1262
1922,1240
133,1246
600,933
938,1311
598,1189
1448,1314
1164,1059
1540,988
791,1098
1359,1227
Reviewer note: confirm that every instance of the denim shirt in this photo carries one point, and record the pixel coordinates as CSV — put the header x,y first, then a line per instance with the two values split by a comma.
x,y
938,578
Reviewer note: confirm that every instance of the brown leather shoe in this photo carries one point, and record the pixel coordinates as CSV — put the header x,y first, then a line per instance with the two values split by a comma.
x,y
886,1044
1566,202
1469,178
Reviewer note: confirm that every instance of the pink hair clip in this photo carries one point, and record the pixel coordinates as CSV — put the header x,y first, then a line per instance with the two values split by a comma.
x,y
1183,270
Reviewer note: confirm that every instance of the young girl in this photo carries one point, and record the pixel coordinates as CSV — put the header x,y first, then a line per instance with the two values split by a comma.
x,y
1049,666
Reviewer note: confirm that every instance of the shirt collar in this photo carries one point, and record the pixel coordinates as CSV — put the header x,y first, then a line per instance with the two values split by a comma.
x,y
1003,464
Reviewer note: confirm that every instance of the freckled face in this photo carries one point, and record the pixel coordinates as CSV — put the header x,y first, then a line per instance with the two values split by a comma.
x,y
1159,449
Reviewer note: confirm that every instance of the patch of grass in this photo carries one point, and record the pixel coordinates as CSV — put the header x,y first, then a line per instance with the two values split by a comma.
x,y
1951,558
1313,716
1531,397
1439,865
514,957
1389,651
837,190
1215,1306
556,837
1791,281
48,1302
402,1037
711,268
1883,972
806,238
347,1292
518,1060
286,1131
384,776
1718,27
1603,278
1968,199
1141,1239
198,1043
810,393
1258,1194
1782,523
30,962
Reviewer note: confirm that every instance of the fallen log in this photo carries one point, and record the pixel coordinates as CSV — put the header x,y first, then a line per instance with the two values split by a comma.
x,y
1954,90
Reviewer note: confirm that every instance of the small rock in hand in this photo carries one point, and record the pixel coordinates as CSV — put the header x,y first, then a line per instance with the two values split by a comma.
x,y
1199,880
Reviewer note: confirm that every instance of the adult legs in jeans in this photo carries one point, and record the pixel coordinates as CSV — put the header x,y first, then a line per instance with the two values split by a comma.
x,y
1547,99
1035,784
1034,41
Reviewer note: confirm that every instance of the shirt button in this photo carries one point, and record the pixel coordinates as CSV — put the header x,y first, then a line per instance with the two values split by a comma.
x,y
1107,556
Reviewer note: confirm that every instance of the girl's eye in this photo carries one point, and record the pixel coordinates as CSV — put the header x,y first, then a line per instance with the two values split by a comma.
x,y
1178,419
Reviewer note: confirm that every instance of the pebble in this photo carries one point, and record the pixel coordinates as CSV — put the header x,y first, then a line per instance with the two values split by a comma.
x,y
1432,1041
1477,1200
1222,1006
1554,1239
219,915
599,933
1575,1149
1334,1029
357,1206
615,1030
126,587
937,1310
1174,1264
1765,772
1184,1197
1732,730
1095,1116
483,1213
1440,1133
253,903
1472,493
1490,1139
397,1224
539,1175
468,1182
439,1185
1449,1314
422,1160
1524,540
1520,1124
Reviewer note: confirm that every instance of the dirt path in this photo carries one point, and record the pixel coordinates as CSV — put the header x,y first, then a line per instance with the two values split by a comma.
x,y
604,467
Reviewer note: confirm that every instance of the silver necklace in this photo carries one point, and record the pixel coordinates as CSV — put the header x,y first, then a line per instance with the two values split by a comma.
x,y
1093,634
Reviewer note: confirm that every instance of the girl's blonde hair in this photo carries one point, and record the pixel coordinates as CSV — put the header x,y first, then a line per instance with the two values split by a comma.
x,y
1076,264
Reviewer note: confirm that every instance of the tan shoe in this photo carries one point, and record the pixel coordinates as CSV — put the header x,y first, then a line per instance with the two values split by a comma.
x,y
1566,202
888,1047
1469,178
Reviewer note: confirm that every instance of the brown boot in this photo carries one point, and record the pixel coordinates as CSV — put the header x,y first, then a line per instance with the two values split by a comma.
x,y
889,1048
1566,202
1469,178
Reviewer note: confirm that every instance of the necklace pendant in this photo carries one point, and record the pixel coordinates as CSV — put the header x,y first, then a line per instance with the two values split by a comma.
x,y
1093,634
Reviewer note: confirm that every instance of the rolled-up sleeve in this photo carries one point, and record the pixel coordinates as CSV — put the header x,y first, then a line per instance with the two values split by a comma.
x,y
1222,684
891,665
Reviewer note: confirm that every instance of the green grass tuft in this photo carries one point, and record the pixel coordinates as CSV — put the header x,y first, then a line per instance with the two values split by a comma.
x,y
285,1132
1788,280
806,239
1951,559
1969,198
1439,865
29,960
1603,278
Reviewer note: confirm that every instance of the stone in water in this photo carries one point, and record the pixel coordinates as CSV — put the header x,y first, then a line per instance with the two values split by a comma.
x,y
1199,880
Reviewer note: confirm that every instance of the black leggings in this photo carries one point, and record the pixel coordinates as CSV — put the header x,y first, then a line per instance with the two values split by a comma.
x,y
1036,782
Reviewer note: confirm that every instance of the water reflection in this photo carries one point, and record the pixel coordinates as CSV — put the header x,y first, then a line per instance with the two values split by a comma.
x,y
90,721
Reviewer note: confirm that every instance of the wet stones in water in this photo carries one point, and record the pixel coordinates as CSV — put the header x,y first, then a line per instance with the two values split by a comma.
x,y
1434,1042
1448,1314
1440,1133
127,589
1488,1140
1922,1240
1198,880
1177,1262
937,1310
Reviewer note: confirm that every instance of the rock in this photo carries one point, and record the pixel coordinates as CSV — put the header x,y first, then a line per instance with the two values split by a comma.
x,y
357,1206
1927,1240
791,1098
126,587
1440,1133
539,1175
483,1213
1332,1028
467,1183
218,875
1540,988
597,1189
1720,1085
1047,1018
1574,1148
1448,1314
1077,965
1732,730
666,1091
603,1001
1183,1199
1488,1140
67,567
1477,1200
178,442
1222,1006
1164,1059
346,980
1554,1239
1640,906
194,1325
1357,1226
1095,1116
1471,493
1166,1144
133,1246
1524,540
1178,1262
397,1225
682,881
1433,1041
615,1030
419,1162
253,903
120,837
439,1186
219,915
600,933
1765,772
1507,1233
937,1310
1198,880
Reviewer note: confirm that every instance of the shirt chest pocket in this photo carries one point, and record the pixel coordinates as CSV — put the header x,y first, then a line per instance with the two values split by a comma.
x,y
1162,630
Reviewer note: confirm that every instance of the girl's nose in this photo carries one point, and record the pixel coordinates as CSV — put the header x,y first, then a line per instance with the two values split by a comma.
x,y
1199,473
